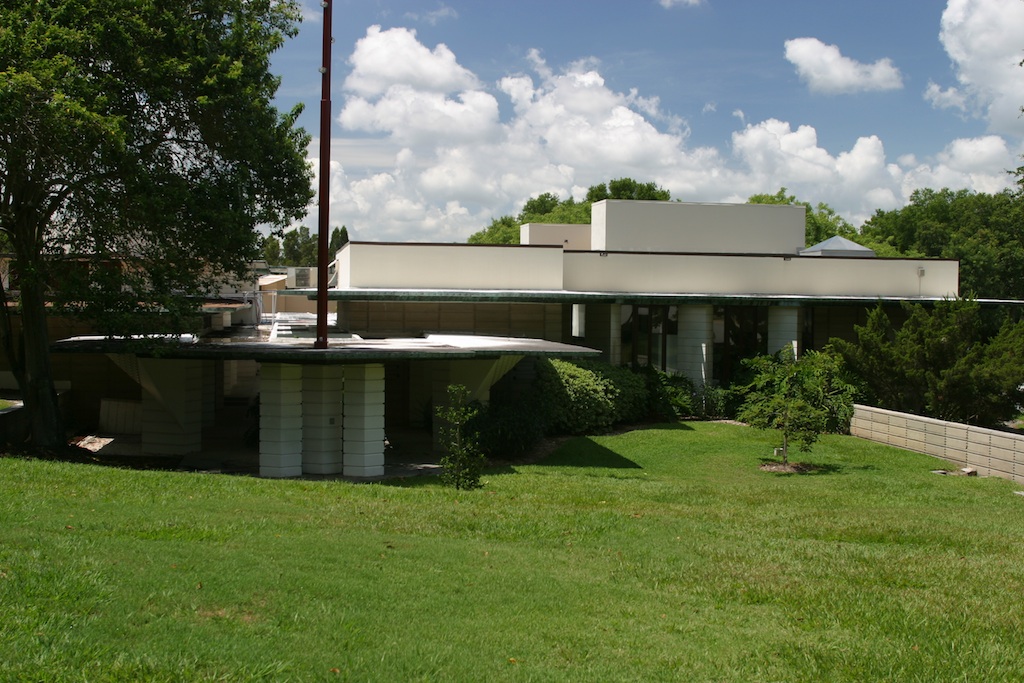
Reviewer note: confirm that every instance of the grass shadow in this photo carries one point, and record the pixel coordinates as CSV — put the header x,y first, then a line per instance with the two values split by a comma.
x,y
798,468
584,452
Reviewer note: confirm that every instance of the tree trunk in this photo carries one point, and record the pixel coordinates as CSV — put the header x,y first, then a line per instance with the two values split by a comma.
x,y
46,423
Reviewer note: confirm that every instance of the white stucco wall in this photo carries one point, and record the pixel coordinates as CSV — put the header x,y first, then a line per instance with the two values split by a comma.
x,y
566,235
619,225
373,264
699,274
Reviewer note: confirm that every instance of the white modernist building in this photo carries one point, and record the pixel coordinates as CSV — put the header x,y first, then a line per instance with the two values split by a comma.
x,y
688,288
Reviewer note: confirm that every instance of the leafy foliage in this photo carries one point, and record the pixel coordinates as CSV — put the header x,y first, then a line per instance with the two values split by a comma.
x,y
300,248
802,398
504,230
576,400
508,428
941,363
627,188
463,462
822,221
982,231
141,138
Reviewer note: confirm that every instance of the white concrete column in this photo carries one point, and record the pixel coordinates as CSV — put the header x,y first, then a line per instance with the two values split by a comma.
x,y
784,329
695,343
172,406
280,420
322,389
364,420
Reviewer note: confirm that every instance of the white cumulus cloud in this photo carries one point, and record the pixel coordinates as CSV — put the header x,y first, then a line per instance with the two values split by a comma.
x,y
383,59
824,68
431,153
984,41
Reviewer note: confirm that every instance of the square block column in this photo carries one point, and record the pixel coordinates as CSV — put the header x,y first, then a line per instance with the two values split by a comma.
x,y
172,406
784,329
604,331
322,391
364,420
280,420
695,343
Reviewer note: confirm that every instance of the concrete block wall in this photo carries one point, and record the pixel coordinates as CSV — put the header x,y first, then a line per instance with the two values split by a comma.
x,y
322,392
363,441
280,420
120,416
991,452
172,406
375,319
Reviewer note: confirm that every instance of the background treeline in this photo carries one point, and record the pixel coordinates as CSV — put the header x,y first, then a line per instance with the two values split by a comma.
x,y
299,247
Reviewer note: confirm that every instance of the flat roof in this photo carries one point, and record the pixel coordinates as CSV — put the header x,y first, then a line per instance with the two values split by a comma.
x,y
341,348
580,297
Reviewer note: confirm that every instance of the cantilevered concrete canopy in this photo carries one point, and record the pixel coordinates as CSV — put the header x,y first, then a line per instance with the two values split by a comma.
x,y
339,351
321,411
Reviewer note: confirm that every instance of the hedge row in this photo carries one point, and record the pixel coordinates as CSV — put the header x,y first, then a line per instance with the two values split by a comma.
x,y
580,397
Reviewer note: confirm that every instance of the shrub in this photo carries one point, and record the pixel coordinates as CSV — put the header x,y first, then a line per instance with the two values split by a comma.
x,y
801,398
671,396
463,462
508,429
712,402
576,400
626,389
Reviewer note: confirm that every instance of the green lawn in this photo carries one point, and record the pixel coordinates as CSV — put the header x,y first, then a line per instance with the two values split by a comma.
x,y
660,554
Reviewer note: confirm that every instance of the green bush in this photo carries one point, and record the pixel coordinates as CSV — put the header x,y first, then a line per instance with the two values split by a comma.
x,y
576,400
670,396
626,389
587,397
509,429
712,402
463,462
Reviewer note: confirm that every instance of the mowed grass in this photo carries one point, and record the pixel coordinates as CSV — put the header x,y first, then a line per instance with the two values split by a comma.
x,y
659,554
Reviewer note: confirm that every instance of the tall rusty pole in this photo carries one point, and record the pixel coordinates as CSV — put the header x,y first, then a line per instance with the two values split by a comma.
x,y
325,183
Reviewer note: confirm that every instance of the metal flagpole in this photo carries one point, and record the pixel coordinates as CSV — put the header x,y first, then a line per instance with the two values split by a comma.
x,y
325,184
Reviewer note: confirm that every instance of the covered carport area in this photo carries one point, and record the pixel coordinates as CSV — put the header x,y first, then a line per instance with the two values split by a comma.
x,y
321,411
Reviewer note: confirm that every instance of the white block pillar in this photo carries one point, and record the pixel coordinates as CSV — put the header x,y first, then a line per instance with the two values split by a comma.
x,y
322,389
172,406
695,343
364,420
280,420
784,329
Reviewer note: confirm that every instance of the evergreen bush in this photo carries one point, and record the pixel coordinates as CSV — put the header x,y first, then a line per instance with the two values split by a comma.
x,y
463,461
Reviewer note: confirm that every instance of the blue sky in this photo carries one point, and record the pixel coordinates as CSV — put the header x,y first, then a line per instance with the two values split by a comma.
x,y
448,114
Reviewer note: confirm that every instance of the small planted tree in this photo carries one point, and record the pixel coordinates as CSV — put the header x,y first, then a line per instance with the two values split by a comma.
x,y
802,398
463,461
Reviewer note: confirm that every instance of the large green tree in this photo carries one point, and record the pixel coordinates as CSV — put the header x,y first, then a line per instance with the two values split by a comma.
x,y
299,247
984,232
942,362
140,138
821,221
